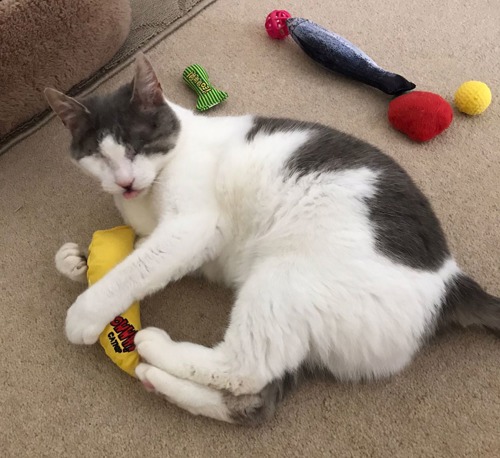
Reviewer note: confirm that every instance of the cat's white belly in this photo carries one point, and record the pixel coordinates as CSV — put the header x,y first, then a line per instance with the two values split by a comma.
x,y
372,319
363,317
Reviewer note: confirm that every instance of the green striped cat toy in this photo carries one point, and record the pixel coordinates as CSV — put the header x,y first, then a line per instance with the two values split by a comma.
x,y
196,77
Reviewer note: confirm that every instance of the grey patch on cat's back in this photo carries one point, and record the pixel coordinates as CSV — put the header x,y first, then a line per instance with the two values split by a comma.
x,y
269,126
406,228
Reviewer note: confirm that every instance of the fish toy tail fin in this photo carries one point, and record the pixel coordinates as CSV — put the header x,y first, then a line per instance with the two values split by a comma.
x,y
397,85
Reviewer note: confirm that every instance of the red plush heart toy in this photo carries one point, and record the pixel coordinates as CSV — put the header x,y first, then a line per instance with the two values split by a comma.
x,y
420,115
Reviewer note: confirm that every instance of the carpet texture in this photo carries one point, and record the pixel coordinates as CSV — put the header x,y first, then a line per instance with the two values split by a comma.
x,y
90,57
62,400
53,42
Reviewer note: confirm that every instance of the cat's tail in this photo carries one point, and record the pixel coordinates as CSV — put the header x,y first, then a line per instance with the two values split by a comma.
x,y
467,304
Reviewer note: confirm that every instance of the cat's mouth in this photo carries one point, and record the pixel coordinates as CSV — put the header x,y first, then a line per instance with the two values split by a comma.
x,y
130,193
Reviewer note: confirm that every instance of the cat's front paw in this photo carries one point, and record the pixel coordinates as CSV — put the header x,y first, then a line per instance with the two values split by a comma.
x,y
84,323
71,262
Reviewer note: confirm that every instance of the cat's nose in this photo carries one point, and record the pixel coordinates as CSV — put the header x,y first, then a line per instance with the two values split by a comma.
x,y
125,184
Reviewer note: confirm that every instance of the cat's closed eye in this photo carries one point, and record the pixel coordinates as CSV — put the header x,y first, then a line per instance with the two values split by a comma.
x,y
86,144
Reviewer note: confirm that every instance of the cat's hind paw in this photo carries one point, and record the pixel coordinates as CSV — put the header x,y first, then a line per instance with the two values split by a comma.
x,y
72,262
154,346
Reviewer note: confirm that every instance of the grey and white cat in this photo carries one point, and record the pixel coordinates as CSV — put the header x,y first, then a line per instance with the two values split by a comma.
x,y
337,258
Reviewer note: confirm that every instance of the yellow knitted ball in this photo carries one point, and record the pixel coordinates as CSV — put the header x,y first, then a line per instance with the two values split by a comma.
x,y
473,97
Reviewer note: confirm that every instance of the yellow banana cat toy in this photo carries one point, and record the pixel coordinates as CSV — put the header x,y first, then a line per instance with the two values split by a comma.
x,y
107,249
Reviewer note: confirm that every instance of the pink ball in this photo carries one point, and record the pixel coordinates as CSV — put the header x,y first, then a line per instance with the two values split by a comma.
x,y
276,24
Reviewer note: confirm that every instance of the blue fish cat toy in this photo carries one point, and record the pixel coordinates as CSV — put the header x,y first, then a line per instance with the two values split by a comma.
x,y
335,53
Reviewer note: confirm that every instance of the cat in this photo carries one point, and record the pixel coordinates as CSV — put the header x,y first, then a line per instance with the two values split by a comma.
x,y
337,258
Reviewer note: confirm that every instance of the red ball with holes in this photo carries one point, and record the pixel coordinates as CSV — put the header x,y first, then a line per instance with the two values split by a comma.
x,y
276,24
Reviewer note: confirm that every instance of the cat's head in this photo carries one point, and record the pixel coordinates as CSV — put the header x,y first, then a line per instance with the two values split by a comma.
x,y
122,138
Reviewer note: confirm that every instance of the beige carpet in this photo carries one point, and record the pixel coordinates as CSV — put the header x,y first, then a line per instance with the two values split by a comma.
x,y
61,400
151,20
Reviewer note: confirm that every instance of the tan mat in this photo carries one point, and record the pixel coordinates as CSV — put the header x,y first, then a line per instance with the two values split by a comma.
x,y
57,399
152,21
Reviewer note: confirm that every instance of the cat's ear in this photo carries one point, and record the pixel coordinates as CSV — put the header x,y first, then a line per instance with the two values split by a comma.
x,y
71,112
147,88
